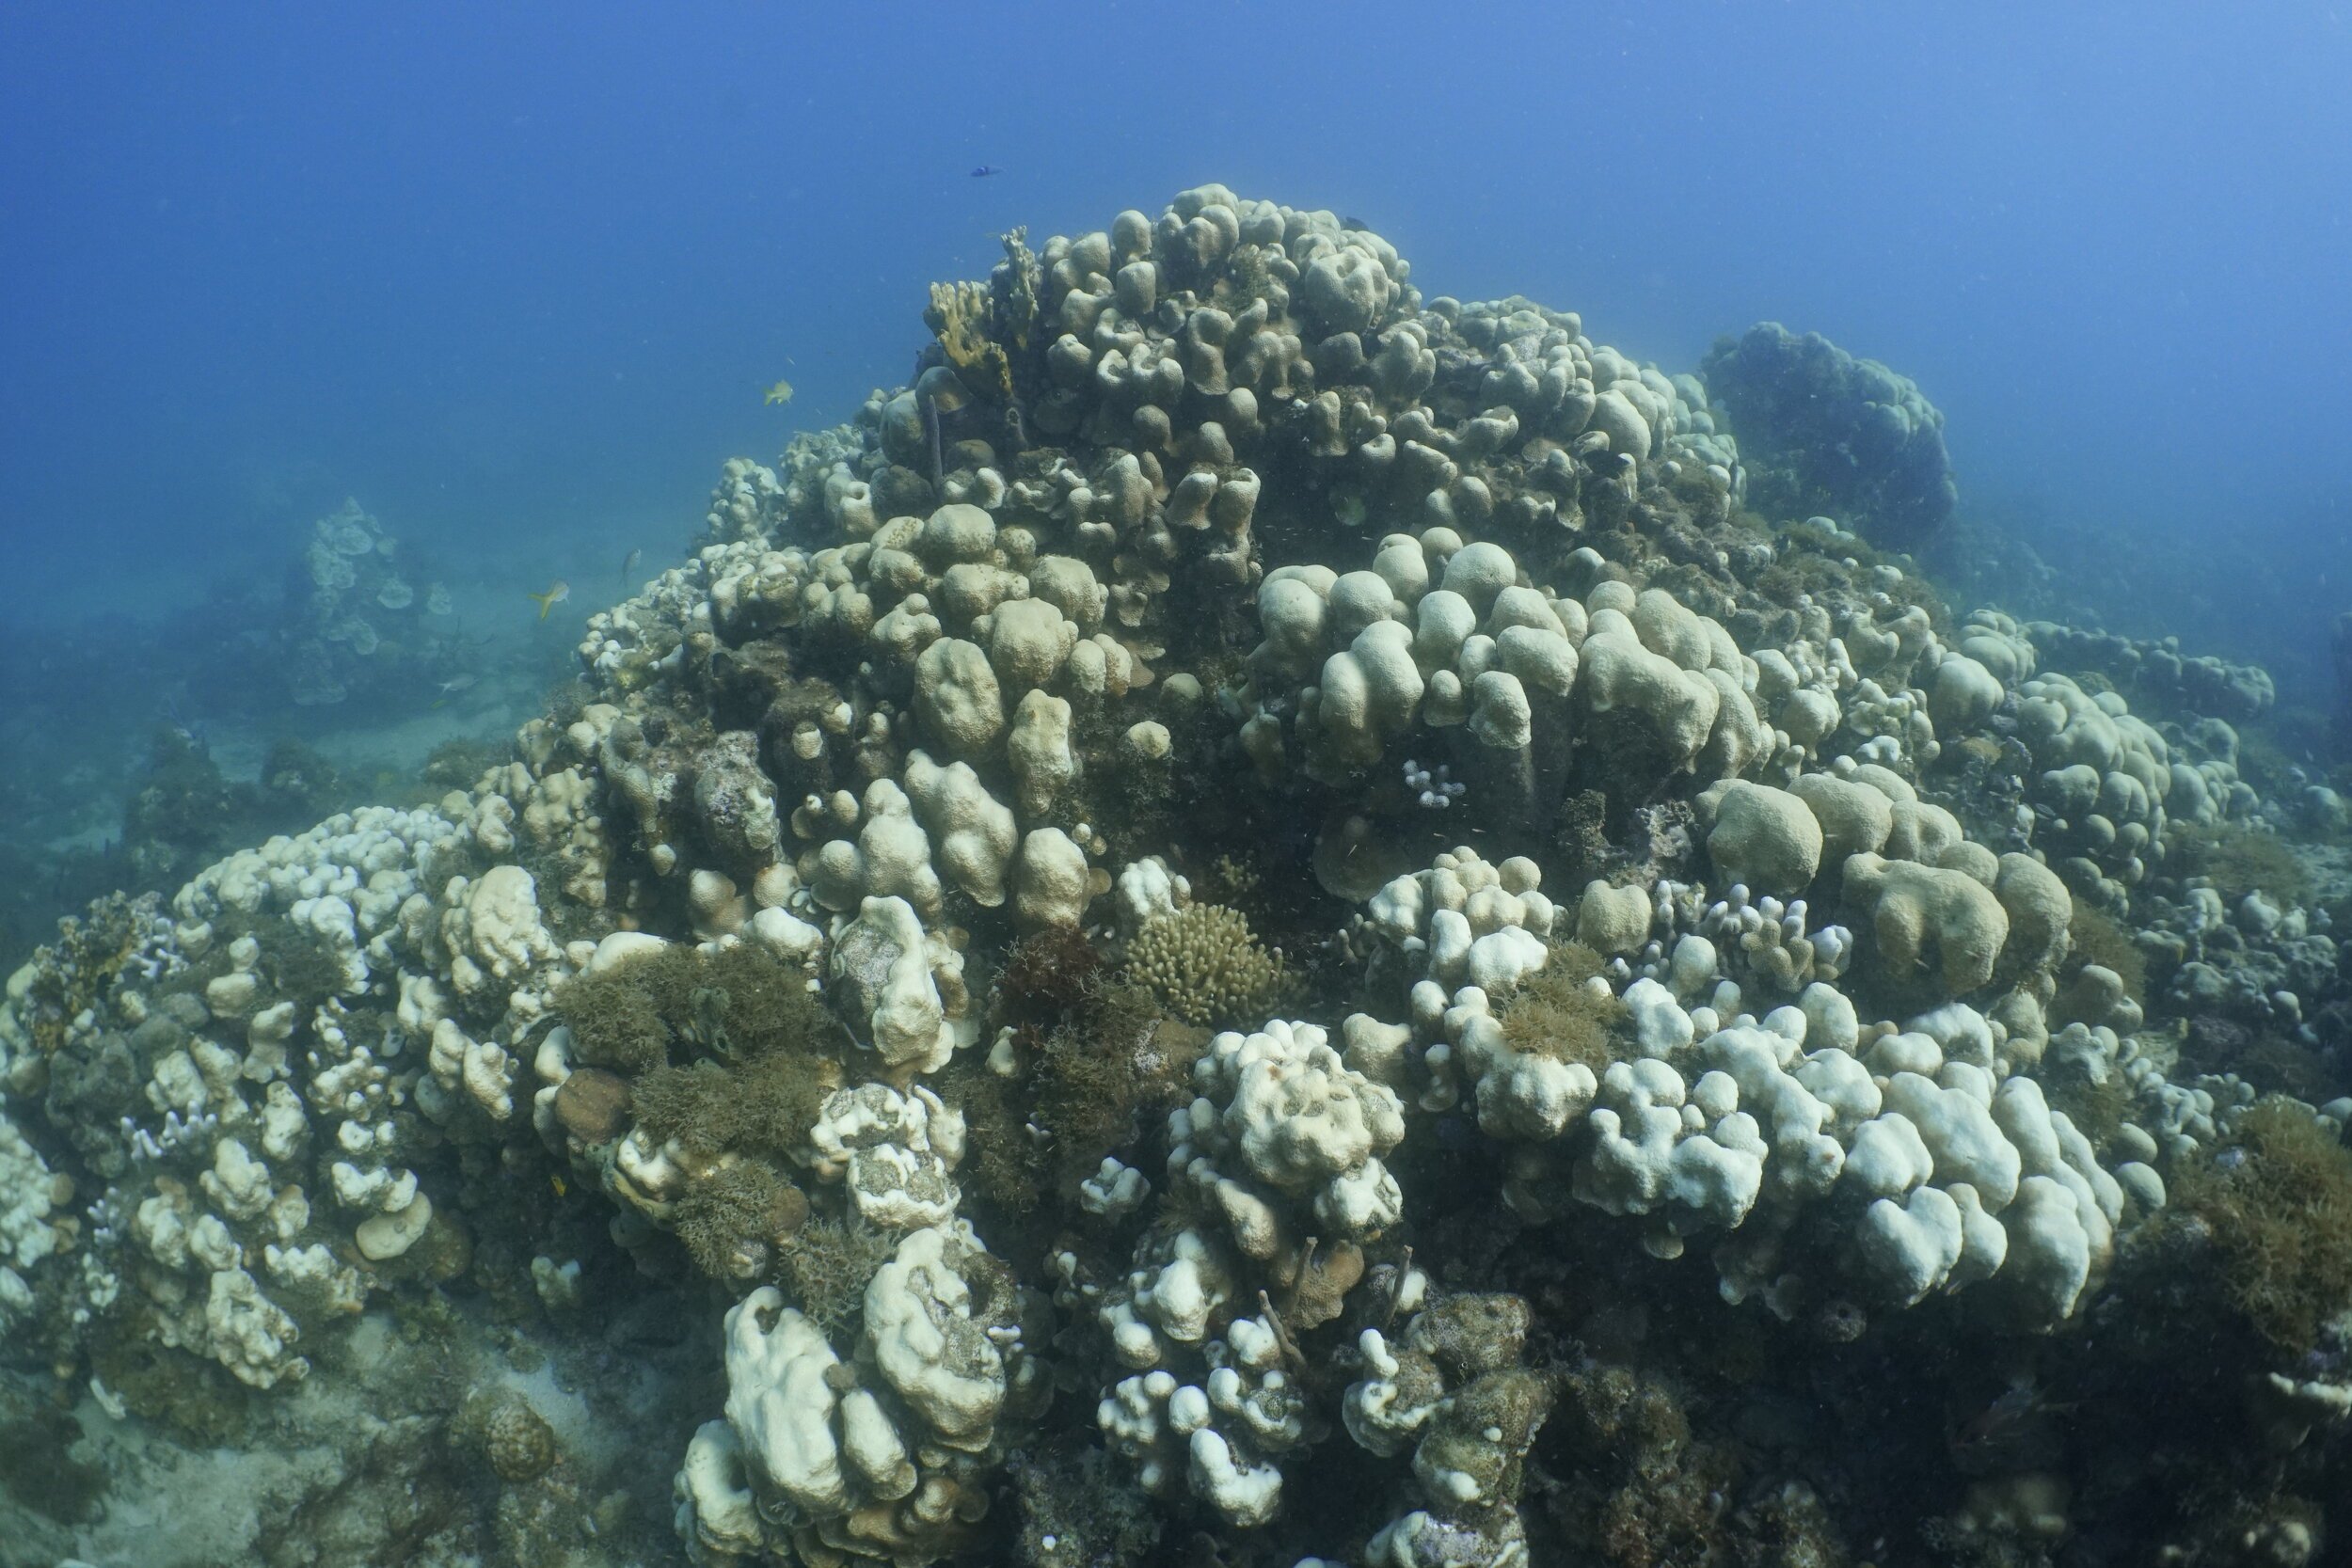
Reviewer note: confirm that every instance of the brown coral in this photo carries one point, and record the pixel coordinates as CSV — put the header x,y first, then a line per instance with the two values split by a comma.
x,y
1206,965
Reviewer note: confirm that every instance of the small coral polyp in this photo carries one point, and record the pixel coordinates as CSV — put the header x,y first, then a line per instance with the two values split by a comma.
x,y
1603,871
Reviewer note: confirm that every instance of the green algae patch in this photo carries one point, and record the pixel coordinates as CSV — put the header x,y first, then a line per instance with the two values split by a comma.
x,y
2238,859
1556,1014
2279,1201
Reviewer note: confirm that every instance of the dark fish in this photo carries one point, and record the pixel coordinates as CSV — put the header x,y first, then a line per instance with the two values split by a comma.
x,y
985,170
1356,222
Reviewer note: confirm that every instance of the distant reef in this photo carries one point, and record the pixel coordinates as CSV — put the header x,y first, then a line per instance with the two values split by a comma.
x,y
1822,431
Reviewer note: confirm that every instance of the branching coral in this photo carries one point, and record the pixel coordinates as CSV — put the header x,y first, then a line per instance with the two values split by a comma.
x,y
1206,965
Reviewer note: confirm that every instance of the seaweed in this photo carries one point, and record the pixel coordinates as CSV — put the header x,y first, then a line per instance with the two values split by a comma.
x,y
724,1050
2097,1106
460,764
197,1399
1556,1014
1003,1163
825,1267
303,965
2094,937
729,1219
736,1003
2276,1197
2237,859
1047,972
762,1003
615,1018
1117,1062
708,1108
37,1470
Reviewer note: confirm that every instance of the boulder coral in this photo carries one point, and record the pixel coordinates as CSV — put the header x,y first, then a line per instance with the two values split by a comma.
x,y
1698,1029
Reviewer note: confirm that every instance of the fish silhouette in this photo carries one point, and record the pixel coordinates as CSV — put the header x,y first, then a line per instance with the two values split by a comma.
x,y
985,170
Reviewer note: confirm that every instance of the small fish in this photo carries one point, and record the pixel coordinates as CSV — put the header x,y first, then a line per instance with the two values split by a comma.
x,y
457,682
780,392
985,170
628,565
1357,223
553,597
557,1183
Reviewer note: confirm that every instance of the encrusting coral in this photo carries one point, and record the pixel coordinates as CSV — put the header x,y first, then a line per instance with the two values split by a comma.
x,y
1704,1011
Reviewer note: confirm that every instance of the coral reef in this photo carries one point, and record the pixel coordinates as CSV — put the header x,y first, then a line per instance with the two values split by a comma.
x,y
1264,920
1821,431
358,620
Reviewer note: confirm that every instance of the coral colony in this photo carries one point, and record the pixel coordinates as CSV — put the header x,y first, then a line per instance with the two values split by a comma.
x,y
1270,910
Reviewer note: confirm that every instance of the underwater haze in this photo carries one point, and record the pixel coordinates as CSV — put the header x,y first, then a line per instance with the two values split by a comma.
x,y
1141,786
514,275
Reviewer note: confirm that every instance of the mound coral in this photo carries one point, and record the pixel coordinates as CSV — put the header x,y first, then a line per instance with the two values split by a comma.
x,y
1712,1036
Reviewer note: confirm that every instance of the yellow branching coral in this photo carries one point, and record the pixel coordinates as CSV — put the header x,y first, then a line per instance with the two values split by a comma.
x,y
1016,288
958,317
955,316
1205,965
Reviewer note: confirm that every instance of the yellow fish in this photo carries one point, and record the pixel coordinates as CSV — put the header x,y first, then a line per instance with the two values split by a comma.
x,y
780,392
553,597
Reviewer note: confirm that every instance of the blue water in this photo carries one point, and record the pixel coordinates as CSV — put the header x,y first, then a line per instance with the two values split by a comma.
x,y
515,276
